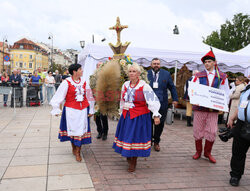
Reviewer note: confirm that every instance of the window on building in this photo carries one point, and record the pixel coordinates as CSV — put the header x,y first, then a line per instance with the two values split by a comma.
x,y
16,64
20,64
24,65
21,46
20,56
30,56
30,65
16,56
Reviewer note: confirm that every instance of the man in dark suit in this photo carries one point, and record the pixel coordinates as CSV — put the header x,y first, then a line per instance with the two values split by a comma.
x,y
161,82
15,79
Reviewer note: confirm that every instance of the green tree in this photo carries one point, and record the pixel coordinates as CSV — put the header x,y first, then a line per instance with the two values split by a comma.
x,y
58,67
233,35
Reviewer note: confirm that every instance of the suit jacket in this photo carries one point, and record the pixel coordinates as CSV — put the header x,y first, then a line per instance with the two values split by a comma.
x,y
165,83
16,78
186,97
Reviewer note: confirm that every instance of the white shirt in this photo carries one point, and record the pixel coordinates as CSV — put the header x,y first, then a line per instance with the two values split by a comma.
x,y
77,123
150,97
61,93
50,80
157,75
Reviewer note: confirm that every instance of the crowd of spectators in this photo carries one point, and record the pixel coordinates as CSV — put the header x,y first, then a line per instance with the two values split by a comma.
x,y
47,82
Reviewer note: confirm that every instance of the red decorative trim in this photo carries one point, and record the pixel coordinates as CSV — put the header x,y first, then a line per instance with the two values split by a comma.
x,y
135,84
195,78
132,146
79,138
223,82
75,81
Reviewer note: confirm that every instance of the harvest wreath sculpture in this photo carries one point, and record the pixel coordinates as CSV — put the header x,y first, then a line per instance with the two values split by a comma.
x,y
107,80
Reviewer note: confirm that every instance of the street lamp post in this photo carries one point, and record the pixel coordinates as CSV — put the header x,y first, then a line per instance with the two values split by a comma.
x,y
35,60
4,40
175,31
82,44
51,55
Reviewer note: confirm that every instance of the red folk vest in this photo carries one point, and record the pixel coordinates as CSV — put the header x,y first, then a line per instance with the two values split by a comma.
x,y
140,103
71,98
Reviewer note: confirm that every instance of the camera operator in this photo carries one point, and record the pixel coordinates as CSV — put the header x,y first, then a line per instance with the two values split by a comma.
x,y
241,134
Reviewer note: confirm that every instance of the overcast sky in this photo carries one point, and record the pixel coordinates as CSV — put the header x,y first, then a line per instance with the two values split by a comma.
x,y
150,22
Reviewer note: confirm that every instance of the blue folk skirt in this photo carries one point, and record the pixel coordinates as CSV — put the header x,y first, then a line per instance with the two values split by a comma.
x,y
133,136
76,140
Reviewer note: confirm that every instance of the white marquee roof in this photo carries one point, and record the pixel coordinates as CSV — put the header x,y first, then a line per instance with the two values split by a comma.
x,y
227,61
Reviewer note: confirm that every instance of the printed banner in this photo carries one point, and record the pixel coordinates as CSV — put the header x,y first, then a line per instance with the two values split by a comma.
x,y
207,96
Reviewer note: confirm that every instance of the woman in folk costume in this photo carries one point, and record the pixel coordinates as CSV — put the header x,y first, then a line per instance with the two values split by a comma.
x,y
205,119
79,105
133,134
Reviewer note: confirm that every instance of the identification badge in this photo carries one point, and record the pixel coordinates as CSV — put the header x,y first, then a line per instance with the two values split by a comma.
x,y
243,104
155,85
126,106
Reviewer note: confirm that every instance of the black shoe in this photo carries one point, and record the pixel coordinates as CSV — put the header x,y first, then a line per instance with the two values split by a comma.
x,y
189,124
234,181
104,137
99,136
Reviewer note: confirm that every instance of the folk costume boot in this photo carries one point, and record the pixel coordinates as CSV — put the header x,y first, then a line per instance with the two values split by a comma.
x,y
78,154
129,159
198,146
207,151
189,119
132,164
157,147
73,148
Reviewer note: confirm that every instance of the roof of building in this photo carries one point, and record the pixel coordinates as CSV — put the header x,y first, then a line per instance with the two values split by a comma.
x,y
29,45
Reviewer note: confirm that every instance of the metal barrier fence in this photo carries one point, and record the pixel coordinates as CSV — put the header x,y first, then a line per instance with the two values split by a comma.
x,y
20,94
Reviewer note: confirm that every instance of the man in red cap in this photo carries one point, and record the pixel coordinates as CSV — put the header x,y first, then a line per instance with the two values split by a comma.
x,y
205,119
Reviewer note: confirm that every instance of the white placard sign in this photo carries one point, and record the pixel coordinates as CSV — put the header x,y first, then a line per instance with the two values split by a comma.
x,y
207,96
6,63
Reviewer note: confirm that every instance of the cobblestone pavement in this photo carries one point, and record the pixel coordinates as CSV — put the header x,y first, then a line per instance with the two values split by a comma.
x,y
32,159
170,169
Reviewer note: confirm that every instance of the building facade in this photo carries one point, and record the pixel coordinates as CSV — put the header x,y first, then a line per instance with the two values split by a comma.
x,y
28,56
59,57
4,51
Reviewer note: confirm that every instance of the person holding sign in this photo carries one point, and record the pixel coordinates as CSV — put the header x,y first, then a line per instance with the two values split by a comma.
x,y
205,119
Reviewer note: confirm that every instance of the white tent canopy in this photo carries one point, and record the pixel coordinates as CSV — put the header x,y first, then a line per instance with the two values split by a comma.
x,y
244,51
227,61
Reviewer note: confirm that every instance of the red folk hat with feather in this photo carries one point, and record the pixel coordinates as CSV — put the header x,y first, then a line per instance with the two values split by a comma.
x,y
209,56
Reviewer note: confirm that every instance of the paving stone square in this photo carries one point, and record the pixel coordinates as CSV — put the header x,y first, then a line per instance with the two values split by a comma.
x,y
33,159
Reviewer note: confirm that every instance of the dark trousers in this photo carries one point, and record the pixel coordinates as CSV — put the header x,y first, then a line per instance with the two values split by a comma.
x,y
102,124
57,85
239,150
157,129
41,93
5,98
